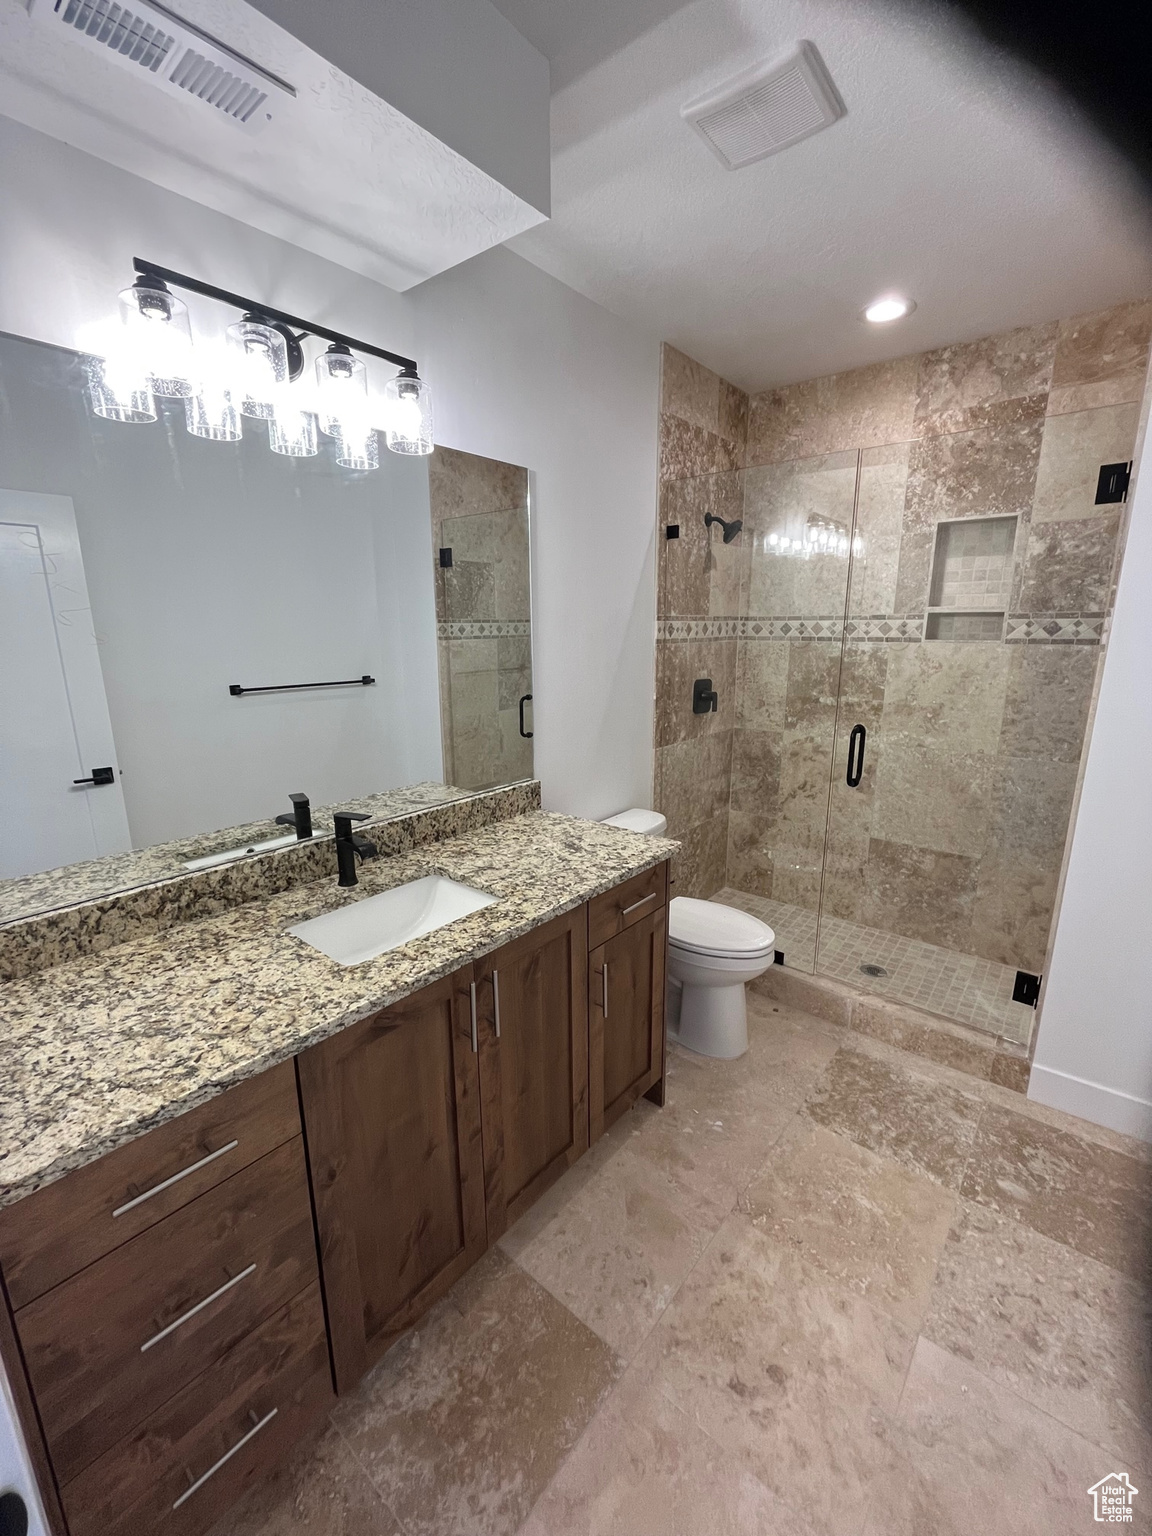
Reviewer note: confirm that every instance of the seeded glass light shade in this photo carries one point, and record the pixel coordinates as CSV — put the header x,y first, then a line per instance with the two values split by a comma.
x,y
408,403
119,392
210,413
357,446
159,336
292,432
260,361
342,384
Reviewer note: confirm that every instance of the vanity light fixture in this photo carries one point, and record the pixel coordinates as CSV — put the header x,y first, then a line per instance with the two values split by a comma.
x,y
256,375
890,307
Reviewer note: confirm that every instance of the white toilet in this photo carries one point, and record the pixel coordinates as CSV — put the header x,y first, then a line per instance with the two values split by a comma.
x,y
713,951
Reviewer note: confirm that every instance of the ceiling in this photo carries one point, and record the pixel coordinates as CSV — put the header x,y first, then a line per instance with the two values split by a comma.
x,y
957,178
337,171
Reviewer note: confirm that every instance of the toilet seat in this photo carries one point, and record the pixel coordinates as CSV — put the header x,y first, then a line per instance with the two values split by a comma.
x,y
722,933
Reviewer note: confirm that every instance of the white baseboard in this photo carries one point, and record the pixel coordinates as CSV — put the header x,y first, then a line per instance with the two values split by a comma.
x,y
1118,1111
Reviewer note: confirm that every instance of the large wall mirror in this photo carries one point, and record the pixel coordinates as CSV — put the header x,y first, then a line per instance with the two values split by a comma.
x,y
146,574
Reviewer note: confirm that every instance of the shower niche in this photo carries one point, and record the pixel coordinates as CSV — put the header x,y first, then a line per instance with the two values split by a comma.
x,y
971,583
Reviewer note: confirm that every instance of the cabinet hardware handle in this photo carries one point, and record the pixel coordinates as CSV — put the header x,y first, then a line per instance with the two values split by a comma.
x,y
199,1307
643,902
227,1456
604,985
496,1000
472,994
157,1189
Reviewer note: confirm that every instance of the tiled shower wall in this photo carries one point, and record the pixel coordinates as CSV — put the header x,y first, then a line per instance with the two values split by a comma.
x,y
483,612
957,832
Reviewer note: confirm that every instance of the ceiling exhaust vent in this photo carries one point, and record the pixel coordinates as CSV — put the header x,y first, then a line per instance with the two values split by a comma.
x,y
151,40
767,107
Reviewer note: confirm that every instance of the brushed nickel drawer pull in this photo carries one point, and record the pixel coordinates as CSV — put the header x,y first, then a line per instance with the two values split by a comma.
x,y
157,1189
227,1456
604,980
496,1000
199,1307
472,994
643,902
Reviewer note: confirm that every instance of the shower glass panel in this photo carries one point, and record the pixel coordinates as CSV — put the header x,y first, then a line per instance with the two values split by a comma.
x,y
798,531
919,898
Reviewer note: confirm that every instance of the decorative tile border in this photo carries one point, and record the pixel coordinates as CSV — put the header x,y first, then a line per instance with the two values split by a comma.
x,y
482,629
1021,628
1055,628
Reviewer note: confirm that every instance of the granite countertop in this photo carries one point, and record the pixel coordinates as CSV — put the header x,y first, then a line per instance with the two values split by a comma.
x,y
96,1051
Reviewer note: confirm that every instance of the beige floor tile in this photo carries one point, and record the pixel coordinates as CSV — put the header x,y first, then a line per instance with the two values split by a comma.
x,y
792,1376
465,1421
857,1217
710,1137
323,1491
909,1113
644,1468
975,1460
1096,1200
1068,1334
787,1049
617,1253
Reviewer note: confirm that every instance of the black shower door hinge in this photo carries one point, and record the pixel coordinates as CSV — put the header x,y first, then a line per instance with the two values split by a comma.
x,y
1113,483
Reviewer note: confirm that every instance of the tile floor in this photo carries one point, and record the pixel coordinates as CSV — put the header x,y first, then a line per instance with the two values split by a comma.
x,y
960,987
832,1289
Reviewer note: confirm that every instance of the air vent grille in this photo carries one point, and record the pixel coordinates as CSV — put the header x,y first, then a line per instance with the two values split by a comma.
x,y
147,37
116,27
217,86
767,108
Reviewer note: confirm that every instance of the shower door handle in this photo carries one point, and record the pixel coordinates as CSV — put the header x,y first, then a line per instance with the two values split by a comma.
x,y
856,756
527,735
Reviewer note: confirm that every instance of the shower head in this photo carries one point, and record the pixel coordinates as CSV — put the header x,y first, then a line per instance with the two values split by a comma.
x,y
730,529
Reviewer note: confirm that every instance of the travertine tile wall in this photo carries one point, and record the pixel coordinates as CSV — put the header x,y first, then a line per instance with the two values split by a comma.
x,y
483,611
703,431
956,834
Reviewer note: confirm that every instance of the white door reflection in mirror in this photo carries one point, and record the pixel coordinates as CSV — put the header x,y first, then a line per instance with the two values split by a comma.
x,y
54,725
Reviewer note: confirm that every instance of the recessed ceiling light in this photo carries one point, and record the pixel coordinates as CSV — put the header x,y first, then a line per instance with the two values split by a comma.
x,y
882,311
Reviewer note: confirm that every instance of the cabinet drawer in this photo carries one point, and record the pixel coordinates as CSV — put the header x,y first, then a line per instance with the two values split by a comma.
x,y
625,904
59,1230
161,1477
110,1345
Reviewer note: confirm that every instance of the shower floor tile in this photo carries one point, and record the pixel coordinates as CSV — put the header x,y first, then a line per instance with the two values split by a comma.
x,y
959,987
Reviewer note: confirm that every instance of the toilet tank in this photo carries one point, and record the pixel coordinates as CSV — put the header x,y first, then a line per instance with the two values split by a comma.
x,y
647,823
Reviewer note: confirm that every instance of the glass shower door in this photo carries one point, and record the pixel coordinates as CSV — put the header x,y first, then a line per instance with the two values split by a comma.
x,y
798,527
917,899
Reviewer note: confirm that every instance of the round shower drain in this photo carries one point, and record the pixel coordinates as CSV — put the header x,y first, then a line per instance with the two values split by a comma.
x,y
874,970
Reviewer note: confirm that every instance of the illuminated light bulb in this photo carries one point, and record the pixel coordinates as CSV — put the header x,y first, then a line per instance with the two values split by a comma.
x,y
342,389
408,423
891,307
259,357
159,335
291,431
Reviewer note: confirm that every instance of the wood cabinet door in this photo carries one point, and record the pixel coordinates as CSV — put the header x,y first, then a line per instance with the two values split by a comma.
x,y
625,1018
392,1120
532,1023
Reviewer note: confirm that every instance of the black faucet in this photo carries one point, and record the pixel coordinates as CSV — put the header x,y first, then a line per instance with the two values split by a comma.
x,y
300,817
348,845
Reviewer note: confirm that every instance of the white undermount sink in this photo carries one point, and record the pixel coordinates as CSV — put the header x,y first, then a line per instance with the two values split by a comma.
x,y
230,855
364,929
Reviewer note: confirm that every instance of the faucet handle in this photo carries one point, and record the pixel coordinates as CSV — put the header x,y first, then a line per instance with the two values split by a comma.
x,y
351,816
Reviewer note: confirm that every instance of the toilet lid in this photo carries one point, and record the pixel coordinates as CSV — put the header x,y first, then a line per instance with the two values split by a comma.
x,y
712,929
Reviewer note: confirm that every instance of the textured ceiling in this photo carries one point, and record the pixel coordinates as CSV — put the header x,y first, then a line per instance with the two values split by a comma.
x,y
956,178
339,172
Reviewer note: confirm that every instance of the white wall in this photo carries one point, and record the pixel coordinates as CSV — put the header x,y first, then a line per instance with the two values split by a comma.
x,y
529,371
1094,1046
523,369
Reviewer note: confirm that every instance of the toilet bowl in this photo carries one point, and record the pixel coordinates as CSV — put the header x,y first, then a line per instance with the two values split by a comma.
x,y
713,951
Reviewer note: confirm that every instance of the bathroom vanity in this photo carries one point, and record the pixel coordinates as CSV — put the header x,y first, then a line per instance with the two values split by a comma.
x,y
237,1170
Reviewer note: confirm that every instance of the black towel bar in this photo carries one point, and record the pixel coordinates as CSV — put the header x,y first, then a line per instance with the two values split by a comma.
x,y
348,682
